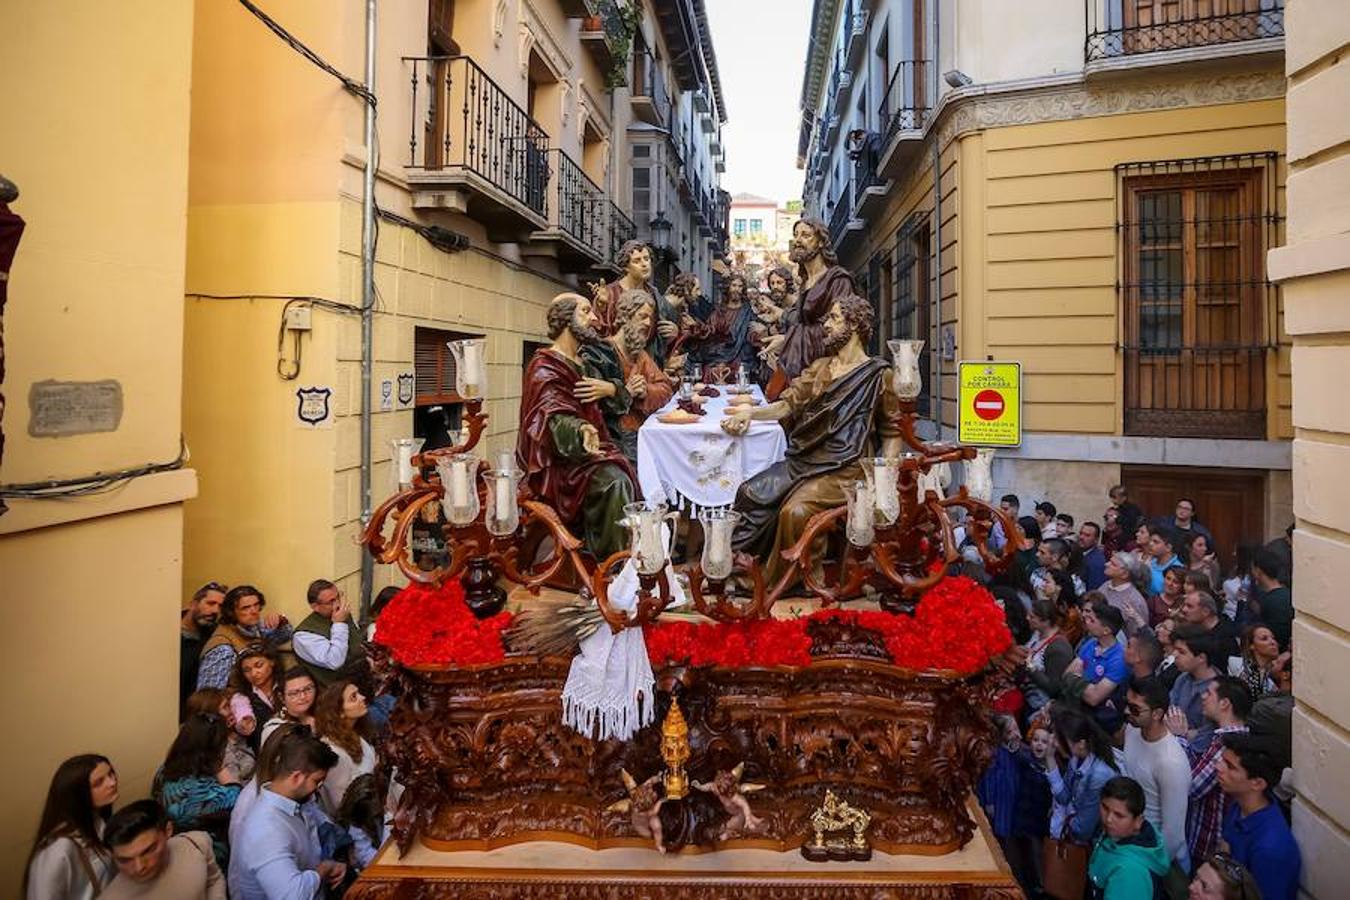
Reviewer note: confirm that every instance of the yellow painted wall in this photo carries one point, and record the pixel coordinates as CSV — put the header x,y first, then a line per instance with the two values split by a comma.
x,y
1049,269
96,138
275,210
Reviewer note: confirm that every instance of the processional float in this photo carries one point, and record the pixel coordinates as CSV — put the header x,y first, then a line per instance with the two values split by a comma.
x,y
857,716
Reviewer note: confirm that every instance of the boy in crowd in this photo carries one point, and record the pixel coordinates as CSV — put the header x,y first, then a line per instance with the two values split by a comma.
x,y
1128,861
1254,828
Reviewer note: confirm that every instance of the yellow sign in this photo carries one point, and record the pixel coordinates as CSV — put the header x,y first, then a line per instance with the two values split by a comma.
x,y
991,404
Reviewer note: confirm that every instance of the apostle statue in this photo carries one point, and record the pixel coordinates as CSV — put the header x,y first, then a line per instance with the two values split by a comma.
x,y
837,412
623,359
635,259
823,281
681,296
727,340
564,446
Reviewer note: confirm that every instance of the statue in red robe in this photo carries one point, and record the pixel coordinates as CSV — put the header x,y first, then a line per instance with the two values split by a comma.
x,y
564,446
823,281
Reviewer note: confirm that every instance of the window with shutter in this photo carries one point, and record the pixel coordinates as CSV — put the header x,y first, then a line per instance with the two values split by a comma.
x,y
434,366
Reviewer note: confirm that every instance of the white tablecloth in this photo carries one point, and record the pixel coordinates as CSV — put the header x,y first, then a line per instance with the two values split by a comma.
x,y
699,464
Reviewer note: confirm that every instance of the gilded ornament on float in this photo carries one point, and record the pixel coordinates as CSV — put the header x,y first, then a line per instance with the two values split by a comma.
x,y
838,832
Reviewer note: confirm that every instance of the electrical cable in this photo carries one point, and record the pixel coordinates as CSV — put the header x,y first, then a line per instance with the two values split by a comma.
x,y
287,369
91,484
351,84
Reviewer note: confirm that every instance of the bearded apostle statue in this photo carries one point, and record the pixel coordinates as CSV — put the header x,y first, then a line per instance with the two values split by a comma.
x,y
622,358
838,411
565,447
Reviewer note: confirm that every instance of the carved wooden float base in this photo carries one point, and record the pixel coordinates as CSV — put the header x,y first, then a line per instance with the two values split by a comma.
x,y
488,763
544,869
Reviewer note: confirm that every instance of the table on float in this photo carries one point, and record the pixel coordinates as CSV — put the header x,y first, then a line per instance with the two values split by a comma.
x,y
699,465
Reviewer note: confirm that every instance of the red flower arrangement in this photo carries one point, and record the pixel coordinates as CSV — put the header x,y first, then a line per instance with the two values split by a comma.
x,y
957,627
426,625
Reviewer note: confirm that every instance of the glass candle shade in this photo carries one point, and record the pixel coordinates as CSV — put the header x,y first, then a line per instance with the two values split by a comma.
x,y
459,482
861,526
404,451
470,366
908,377
503,513
883,480
650,546
979,474
718,526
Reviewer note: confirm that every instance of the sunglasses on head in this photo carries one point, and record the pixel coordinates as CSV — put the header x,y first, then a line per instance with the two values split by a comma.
x,y
1231,871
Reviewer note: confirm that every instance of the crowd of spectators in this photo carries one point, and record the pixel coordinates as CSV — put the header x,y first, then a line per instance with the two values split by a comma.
x,y
1146,748
271,787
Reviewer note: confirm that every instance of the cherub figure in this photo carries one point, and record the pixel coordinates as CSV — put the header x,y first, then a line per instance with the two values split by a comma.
x,y
643,807
727,788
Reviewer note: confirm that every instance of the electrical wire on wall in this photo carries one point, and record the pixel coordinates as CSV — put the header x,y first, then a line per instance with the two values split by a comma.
x,y
91,484
287,369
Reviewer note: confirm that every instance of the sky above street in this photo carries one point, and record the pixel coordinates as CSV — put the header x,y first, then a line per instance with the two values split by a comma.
x,y
761,49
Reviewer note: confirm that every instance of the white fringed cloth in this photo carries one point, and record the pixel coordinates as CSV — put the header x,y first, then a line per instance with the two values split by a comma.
x,y
610,687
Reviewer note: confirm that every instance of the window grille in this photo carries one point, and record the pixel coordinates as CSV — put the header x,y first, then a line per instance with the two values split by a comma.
x,y
1198,315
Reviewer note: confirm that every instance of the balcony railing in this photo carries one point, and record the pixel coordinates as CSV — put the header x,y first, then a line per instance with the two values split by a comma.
x,y
467,128
904,106
841,214
621,230
865,173
1118,28
579,205
648,92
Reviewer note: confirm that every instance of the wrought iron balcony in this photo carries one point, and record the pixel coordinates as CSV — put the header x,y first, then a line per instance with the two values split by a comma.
x,y
841,214
869,188
647,91
621,230
855,29
1121,28
576,225
473,149
903,113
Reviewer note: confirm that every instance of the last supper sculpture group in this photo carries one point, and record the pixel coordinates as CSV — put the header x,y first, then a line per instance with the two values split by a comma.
x,y
818,650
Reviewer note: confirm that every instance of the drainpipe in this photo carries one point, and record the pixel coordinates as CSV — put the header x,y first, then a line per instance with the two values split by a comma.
x,y
367,307
937,218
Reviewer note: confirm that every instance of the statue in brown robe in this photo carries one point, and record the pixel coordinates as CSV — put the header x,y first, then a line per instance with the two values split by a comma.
x,y
839,411
623,359
564,447
823,281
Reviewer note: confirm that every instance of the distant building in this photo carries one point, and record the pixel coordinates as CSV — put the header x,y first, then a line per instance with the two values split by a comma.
x,y
760,232
1112,175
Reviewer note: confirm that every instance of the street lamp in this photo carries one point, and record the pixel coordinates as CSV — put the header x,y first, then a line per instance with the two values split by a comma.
x,y
661,227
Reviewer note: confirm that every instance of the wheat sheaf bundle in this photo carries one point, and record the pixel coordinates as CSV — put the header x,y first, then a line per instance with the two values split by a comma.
x,y
554,627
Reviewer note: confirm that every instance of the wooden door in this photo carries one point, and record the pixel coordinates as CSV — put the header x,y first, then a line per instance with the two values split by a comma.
x,y
1231,503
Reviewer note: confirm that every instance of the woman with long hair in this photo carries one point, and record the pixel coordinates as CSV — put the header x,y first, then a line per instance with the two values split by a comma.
x,y
340,720
1237,588
68,860
257,675
239,756
1077,786
1262,667
361,812
1200,558
197,788
1048,654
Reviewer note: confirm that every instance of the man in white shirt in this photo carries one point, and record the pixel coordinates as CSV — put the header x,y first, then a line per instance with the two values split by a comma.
x,y
277,855
1157,761
328,645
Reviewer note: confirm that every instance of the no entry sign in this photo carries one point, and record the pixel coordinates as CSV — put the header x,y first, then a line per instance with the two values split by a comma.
x,y
991,404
